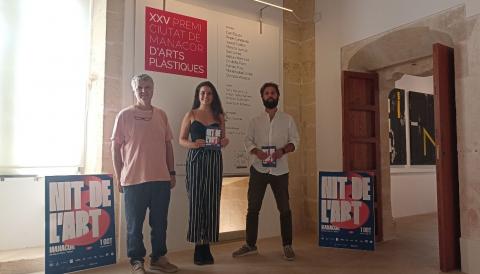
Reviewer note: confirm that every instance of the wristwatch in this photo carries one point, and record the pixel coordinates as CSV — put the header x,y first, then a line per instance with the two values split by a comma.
x,y
283,151
173,173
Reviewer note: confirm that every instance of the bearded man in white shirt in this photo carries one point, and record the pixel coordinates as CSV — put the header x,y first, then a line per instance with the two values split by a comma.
x,y
272,131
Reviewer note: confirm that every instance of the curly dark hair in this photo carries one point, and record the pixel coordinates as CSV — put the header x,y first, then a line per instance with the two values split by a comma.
x,y
269,84
216,104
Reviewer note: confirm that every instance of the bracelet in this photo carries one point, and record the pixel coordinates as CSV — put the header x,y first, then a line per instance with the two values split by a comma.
x,y
172,172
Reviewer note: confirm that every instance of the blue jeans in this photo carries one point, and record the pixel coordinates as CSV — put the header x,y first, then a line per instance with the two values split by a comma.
x,y
156,197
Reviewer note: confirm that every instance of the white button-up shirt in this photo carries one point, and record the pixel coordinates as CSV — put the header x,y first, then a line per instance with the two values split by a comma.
x,y
278,132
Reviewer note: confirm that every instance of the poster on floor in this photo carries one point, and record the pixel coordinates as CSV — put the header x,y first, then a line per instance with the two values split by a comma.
x,y
79,222
346,210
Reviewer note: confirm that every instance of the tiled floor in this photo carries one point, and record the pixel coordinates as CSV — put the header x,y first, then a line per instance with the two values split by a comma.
x,y
414,251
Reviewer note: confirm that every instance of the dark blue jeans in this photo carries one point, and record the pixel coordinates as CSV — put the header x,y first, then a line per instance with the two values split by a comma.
x,y
156,197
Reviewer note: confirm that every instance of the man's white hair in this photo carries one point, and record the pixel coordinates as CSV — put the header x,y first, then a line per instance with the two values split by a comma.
x,y
140,77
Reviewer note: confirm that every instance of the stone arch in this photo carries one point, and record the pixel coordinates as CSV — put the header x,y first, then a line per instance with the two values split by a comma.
x,y
398,47
393,54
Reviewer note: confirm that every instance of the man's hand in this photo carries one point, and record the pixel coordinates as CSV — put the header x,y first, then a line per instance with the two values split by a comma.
x,y
278,154
119,186
173,181
260,154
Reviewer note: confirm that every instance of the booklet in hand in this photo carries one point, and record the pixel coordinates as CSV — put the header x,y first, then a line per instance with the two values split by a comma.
x,y
269,162
213,137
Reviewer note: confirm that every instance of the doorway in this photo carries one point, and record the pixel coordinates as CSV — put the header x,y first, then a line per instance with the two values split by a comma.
x,y
440,64
411,133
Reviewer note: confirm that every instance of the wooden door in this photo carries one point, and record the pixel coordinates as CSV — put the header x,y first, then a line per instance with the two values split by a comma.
x,y
446,158
361,131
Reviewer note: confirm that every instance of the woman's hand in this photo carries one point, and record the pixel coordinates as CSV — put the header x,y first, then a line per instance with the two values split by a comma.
x,y
199,143
224,142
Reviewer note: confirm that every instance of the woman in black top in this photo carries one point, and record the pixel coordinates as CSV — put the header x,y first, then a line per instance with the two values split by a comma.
x,y
204,168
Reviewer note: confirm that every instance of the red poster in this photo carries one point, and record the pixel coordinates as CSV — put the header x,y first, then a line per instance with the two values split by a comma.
x,y
175,43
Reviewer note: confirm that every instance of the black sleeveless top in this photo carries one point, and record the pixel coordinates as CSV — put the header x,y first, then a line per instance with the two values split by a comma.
x,y
199,130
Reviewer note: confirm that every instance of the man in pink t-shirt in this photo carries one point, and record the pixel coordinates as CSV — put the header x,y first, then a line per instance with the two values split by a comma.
x,y
144,168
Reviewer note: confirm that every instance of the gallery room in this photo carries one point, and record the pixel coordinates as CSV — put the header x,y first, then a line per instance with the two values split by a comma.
x,y
239,136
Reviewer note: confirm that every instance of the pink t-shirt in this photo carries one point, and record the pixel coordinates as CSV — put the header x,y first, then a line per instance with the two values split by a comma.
x,y
143,135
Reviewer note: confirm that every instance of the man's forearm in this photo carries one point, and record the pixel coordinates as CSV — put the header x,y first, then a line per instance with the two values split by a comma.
x,y
170,157
117,167
117,161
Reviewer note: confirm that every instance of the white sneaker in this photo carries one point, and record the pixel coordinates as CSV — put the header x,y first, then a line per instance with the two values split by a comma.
x,y
137,268
245,250
163,265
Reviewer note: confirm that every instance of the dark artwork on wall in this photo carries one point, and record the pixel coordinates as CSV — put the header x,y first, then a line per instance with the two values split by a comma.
x,y
396,131
422,128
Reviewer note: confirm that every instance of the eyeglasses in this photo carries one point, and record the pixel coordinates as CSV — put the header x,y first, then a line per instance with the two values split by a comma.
x,y
143,118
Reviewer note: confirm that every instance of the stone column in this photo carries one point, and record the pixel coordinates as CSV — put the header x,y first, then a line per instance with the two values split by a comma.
x,y
299,101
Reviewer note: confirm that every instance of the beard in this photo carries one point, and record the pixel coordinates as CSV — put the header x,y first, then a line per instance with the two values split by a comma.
x,y
270,103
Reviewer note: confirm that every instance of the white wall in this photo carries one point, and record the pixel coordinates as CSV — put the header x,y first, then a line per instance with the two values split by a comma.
x,y
414,192
415,83
328,87
22,214
413,188
362,19
178,214
343,22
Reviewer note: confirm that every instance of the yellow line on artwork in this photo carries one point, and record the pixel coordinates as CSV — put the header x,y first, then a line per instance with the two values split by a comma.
x,y
425,136
398,104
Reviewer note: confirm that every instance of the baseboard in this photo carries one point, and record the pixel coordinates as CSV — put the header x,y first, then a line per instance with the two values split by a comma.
x,y
231,236
23,266
469,250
